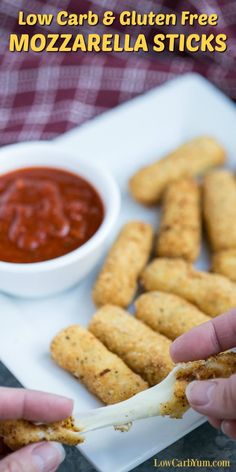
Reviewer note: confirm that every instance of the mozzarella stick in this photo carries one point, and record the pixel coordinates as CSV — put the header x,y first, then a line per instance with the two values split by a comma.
x,y
224,263
168,314
76,350
221,366
219,205
117,281
180,228
191,159
145,352
20,433
212,293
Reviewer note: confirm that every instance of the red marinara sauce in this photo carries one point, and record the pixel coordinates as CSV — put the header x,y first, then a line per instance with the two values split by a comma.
x,y
45,213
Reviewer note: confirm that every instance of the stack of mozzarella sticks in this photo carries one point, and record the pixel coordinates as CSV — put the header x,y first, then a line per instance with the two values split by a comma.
x,y
121,354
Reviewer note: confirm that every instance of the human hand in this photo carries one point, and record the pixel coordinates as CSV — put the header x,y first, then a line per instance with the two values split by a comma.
x,y
17,403
213,398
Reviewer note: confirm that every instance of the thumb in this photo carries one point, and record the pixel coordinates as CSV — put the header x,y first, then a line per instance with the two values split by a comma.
x,y
40,457
214,398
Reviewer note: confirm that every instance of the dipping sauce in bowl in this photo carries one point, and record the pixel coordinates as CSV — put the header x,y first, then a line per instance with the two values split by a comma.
x,y
46,213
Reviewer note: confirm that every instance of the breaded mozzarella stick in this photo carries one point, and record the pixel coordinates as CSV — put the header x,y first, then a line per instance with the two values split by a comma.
x,y
224,263
212,293
180,228
117,281
222,365
191,159
144,351
20,433
168,314
219,205
76,350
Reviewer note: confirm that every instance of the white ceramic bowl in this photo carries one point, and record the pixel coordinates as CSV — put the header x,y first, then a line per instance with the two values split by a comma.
x,y
47,278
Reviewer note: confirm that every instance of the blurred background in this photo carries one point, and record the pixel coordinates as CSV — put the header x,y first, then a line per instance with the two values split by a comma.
x,y
45,94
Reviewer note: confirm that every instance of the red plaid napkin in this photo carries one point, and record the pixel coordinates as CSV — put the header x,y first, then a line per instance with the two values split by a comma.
x,y
43,95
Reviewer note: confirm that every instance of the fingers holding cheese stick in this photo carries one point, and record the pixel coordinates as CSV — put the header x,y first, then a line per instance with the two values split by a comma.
x,y
19,406
191,159
117,281
218,374
217,398
168,398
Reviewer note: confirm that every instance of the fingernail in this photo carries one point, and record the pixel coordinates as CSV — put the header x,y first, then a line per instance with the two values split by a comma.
x,y
224,426
199,393
48,456
64,400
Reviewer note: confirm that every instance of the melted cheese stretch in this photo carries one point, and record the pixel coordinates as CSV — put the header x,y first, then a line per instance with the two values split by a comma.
x,y
143,405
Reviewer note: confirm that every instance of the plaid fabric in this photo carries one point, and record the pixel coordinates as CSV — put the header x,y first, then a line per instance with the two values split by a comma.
x,y
45,94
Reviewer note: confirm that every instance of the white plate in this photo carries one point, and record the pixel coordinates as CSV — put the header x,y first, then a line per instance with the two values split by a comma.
x,y
122,140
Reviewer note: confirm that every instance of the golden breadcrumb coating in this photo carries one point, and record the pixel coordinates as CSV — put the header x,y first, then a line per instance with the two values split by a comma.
x,y
76,350
191,159
180,227
19,433
224,263
144,351
220,366
219,205
212,293
117,281
168,314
